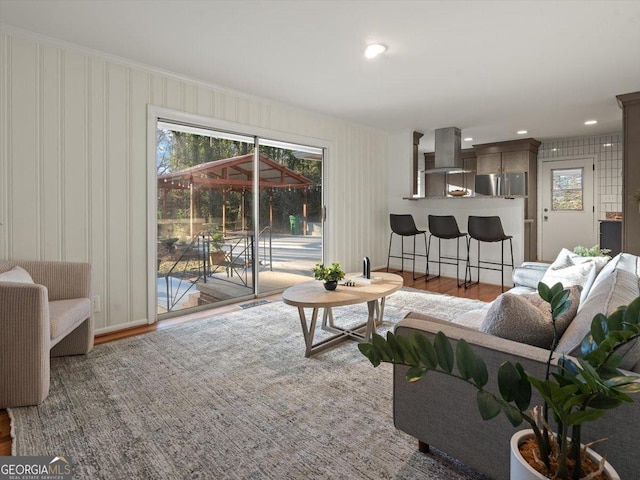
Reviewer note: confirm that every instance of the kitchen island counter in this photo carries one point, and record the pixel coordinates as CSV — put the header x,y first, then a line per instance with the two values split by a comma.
x,y
510,211
467,197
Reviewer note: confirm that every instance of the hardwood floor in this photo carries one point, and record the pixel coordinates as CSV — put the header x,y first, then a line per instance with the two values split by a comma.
x,y
5,438
448,286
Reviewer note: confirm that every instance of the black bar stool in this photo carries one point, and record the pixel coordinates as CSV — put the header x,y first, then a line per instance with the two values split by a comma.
x,y
487,229
446,227
404,226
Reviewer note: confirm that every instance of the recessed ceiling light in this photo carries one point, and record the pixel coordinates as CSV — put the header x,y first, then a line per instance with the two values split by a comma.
x,y
554,149
468,139
522,132
374,50
591,122
606,145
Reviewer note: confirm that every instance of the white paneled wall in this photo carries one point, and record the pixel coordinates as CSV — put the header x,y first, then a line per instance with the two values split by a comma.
x,y
608,152
73,164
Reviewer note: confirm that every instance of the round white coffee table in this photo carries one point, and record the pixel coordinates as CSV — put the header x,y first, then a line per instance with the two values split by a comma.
x,y
313,295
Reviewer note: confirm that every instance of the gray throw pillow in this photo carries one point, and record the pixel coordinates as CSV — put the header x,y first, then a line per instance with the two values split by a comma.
x,y
527,318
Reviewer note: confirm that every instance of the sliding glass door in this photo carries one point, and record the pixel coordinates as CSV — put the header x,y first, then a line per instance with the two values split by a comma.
x,y
211,186
290,213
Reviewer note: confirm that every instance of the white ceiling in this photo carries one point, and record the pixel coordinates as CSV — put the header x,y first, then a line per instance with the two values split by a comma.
x,y
488,67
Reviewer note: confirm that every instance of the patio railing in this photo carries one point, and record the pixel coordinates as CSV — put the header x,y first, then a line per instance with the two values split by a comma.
x,y
191,262
266,237
198,263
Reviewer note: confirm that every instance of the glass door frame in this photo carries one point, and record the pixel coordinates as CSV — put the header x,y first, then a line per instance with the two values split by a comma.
x,y
156,114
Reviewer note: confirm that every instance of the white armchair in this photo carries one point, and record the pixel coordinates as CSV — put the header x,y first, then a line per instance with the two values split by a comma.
x,y
49,317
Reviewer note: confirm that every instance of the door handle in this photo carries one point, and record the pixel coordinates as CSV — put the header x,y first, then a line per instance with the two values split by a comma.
x,y
546,209
545,218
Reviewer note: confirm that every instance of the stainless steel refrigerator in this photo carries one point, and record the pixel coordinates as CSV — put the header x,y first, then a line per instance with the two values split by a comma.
x,y
501,184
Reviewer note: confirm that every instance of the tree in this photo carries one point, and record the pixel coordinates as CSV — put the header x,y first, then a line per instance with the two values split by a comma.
x,y
179,150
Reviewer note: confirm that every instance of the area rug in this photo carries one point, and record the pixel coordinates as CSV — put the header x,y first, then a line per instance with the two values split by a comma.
x,y
232,397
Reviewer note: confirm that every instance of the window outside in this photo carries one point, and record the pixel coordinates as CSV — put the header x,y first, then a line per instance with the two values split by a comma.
x,y
567,190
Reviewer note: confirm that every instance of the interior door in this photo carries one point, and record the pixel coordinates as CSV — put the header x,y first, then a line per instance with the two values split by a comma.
x,y
567,206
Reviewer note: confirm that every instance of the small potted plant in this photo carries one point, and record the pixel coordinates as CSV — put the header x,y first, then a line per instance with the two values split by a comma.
x,y
594,251
217,255
577,393
330,275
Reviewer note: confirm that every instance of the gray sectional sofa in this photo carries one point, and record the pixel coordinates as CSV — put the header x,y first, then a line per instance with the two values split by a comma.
x,y
441,411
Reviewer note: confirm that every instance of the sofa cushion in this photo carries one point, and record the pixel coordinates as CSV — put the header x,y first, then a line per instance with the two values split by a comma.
x,y
66,315
623,261
17,275
431,319
471,319
527,318
569,268
527,276
617,287
519,290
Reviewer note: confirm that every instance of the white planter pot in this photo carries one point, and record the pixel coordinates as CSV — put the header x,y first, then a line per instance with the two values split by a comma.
x,y
521,470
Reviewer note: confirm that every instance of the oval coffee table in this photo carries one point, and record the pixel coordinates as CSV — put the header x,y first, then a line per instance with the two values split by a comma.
x,y
313,295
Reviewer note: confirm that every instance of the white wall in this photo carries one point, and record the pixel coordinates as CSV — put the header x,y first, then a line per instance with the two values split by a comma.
x,y
73,160
400,164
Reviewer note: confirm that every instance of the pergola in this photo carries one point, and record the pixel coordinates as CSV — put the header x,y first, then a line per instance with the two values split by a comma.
x,y
235,174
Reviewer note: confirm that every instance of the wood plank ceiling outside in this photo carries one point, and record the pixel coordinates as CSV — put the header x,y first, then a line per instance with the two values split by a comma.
x,y
234,173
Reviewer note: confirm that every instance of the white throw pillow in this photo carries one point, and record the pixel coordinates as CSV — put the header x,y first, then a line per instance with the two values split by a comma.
x,y
570,269
17,275
563,259
569,276
567,258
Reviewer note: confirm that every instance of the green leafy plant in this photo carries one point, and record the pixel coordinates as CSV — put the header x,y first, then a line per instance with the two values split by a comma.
x,y
216,240
332,273
594,251
578,392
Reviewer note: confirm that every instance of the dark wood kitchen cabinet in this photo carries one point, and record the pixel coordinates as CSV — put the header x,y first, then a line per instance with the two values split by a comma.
x,y
511,157
503,162
507,157
630,104
611,236
489,163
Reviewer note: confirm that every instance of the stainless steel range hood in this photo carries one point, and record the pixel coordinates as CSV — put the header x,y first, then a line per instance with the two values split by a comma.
x,y
447,145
